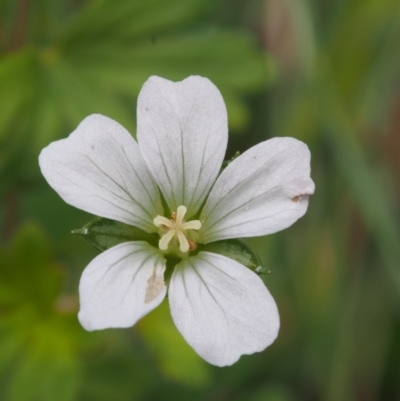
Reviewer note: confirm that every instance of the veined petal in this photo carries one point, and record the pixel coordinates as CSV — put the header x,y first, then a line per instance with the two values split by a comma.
x,y
100,170
263,191
182,133
222,309
121,285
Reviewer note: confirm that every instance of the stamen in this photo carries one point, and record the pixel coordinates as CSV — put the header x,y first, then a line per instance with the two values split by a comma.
x,y
176,227
183,242
161,221
192,225
165,240
180,214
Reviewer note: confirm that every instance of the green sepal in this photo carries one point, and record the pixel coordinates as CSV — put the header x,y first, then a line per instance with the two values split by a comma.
x,y
237,250
104,233
171,262
226,163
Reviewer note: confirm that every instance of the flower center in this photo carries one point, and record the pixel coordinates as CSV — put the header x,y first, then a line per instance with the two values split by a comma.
x,y
176,229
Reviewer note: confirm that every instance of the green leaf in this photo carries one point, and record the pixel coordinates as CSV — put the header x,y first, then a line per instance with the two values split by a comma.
x,y
105,233
18,76
49,368
40,338
27,273
231,60
236,250
18,83
226,163
270,392
174,357
130,20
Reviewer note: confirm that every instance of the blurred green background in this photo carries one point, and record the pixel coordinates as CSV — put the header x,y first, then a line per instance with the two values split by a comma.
x,y
325,72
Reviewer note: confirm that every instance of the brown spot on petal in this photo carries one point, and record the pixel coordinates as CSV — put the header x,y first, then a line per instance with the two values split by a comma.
x,y
155,284
297,198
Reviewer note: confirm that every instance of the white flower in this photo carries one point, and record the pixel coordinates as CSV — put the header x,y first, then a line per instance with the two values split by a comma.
x,y
222,308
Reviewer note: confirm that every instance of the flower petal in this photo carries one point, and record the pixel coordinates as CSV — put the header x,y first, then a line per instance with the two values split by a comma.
x,y
182,133
121,285
261,192
222,309
99,169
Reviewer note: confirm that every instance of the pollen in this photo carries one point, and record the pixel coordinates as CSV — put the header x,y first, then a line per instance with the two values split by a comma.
x,y
176,229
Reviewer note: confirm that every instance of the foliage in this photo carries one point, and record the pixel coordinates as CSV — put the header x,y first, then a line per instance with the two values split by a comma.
x,y
60,65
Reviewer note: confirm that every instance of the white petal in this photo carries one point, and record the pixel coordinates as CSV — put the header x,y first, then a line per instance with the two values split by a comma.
x,y
99,169
263,191
222,309
121,285
182,133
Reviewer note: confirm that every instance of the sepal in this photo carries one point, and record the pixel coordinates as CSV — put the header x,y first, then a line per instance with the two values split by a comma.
x,y
105,233
237,250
